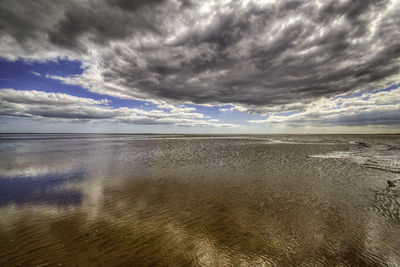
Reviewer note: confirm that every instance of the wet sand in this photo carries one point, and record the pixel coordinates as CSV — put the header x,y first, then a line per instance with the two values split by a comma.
x,y
138,200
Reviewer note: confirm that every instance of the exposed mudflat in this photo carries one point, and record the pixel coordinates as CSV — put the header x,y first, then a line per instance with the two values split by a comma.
x,y
273,200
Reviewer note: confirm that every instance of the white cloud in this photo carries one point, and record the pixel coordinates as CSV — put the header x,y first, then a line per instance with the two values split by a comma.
x,y
36,73
372,108
58,106
32,97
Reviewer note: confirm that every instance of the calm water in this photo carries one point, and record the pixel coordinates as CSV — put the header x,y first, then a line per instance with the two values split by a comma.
x,y
311,200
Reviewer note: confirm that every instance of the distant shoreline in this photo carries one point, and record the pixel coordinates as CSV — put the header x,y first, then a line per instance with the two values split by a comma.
x,y
200,134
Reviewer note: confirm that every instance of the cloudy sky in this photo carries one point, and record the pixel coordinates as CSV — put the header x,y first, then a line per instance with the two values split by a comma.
x,y
209,66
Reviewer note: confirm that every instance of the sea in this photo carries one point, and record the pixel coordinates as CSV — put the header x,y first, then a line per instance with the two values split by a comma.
x,y
199,200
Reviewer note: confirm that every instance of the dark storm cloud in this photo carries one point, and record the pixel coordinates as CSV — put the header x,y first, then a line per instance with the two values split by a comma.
x,y
261,54
133,5
101,23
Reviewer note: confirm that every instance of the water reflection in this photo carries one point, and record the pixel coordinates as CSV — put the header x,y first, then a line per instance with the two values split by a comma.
x,y
41,189
215,201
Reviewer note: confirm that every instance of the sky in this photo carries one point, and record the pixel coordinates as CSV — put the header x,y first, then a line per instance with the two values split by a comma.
x,y
185,66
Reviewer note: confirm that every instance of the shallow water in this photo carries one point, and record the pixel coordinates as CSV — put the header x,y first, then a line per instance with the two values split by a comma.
x,y
191,200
